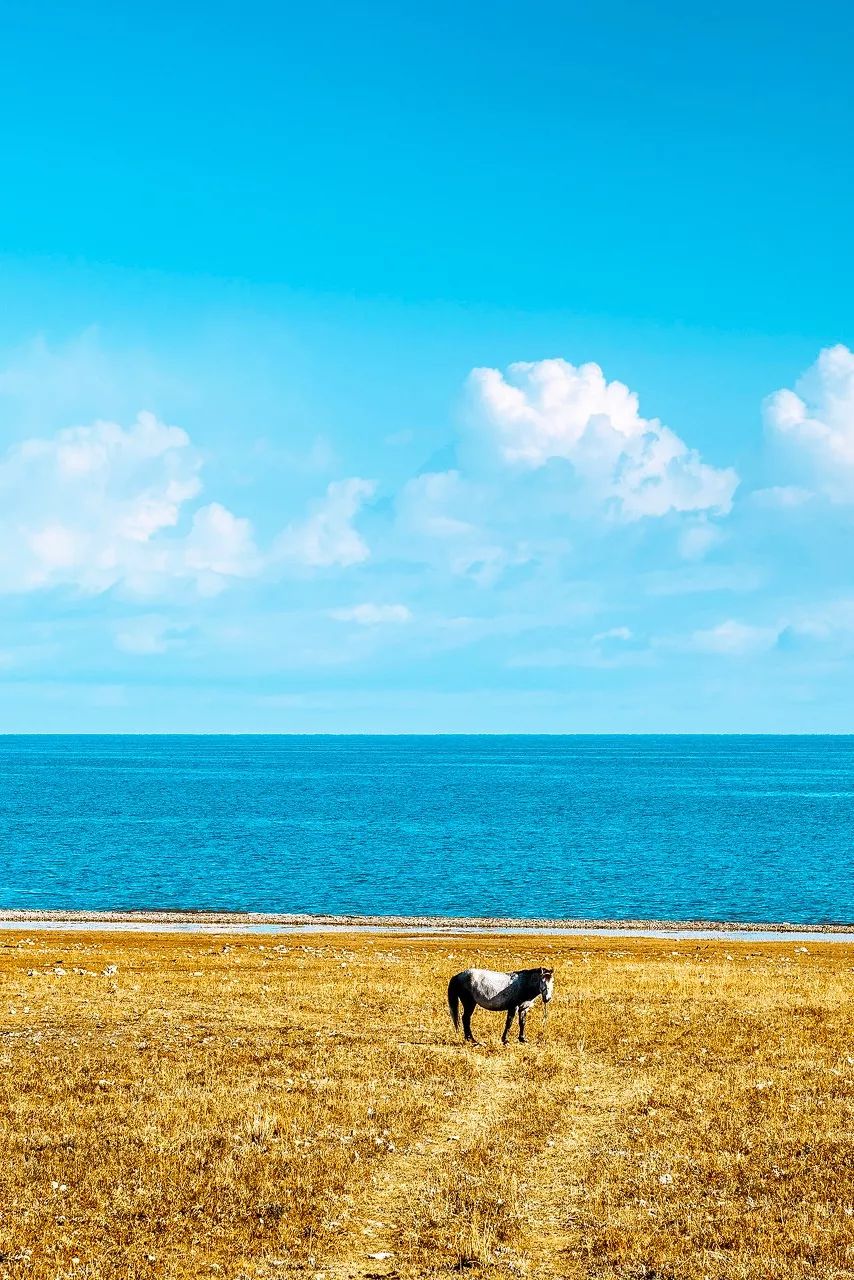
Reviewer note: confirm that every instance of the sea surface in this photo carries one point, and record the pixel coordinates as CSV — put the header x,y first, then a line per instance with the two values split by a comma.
x,y
677,828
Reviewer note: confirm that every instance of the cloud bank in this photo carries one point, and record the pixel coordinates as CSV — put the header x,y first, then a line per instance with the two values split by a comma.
x,y
563,514
105,507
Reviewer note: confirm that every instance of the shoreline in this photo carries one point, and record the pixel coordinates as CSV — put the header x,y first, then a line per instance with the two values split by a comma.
x,y
428,926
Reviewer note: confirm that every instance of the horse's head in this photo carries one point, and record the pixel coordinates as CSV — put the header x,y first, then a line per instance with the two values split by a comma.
x,y
547,984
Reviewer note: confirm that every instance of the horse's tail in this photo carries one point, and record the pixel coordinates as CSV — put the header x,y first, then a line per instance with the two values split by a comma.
x,y
454,1001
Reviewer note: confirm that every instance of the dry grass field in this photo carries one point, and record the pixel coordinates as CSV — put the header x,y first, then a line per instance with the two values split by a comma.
x,y
191,1106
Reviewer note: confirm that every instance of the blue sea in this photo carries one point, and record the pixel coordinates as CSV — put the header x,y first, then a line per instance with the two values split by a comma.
x,y
678,828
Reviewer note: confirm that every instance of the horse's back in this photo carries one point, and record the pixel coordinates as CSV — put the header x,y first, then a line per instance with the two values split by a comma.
x,y
489,988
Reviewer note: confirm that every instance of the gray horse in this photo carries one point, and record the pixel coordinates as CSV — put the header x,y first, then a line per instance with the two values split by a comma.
x,y
510,992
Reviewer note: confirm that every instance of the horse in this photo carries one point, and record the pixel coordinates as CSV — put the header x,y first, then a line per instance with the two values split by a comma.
x,y
513,992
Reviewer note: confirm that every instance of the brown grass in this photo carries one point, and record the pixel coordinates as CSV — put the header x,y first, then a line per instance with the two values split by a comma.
x,y
259,1107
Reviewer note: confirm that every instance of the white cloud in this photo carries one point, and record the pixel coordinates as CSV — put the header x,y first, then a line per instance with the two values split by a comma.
x,y
614,633
372,615
94,507
38,374
219,547
318,457
42,383
503,508
830,620
735,639
144,635
327,536
439,515
107,507
397,438
436,505
108,696
816,423
737,578
698,538
552,409
782,496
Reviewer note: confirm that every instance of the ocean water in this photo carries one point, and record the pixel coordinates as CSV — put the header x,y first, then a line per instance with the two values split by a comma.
x,y
735,828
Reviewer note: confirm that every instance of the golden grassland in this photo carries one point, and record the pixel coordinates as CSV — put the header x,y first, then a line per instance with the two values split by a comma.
x,y
189,1106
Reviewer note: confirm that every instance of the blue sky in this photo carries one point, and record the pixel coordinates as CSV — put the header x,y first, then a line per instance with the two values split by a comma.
x,y
481,368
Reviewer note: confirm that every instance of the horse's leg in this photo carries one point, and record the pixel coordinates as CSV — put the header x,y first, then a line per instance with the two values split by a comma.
x,y
523,1013
511,1014
468,1010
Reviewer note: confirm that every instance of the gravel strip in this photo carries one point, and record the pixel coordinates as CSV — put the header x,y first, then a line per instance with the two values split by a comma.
x,y
432,924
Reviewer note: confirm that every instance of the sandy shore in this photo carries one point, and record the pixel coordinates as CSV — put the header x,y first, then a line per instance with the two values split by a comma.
x,y
251,922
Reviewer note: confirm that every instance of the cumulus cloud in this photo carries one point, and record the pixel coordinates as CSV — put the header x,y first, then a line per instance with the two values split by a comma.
x,y
94,507
547,409
328,535
219,546
815,421
549,446
372,615
108,507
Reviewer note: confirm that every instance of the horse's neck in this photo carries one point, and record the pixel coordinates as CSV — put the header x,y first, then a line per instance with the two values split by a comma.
x,y
529,981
